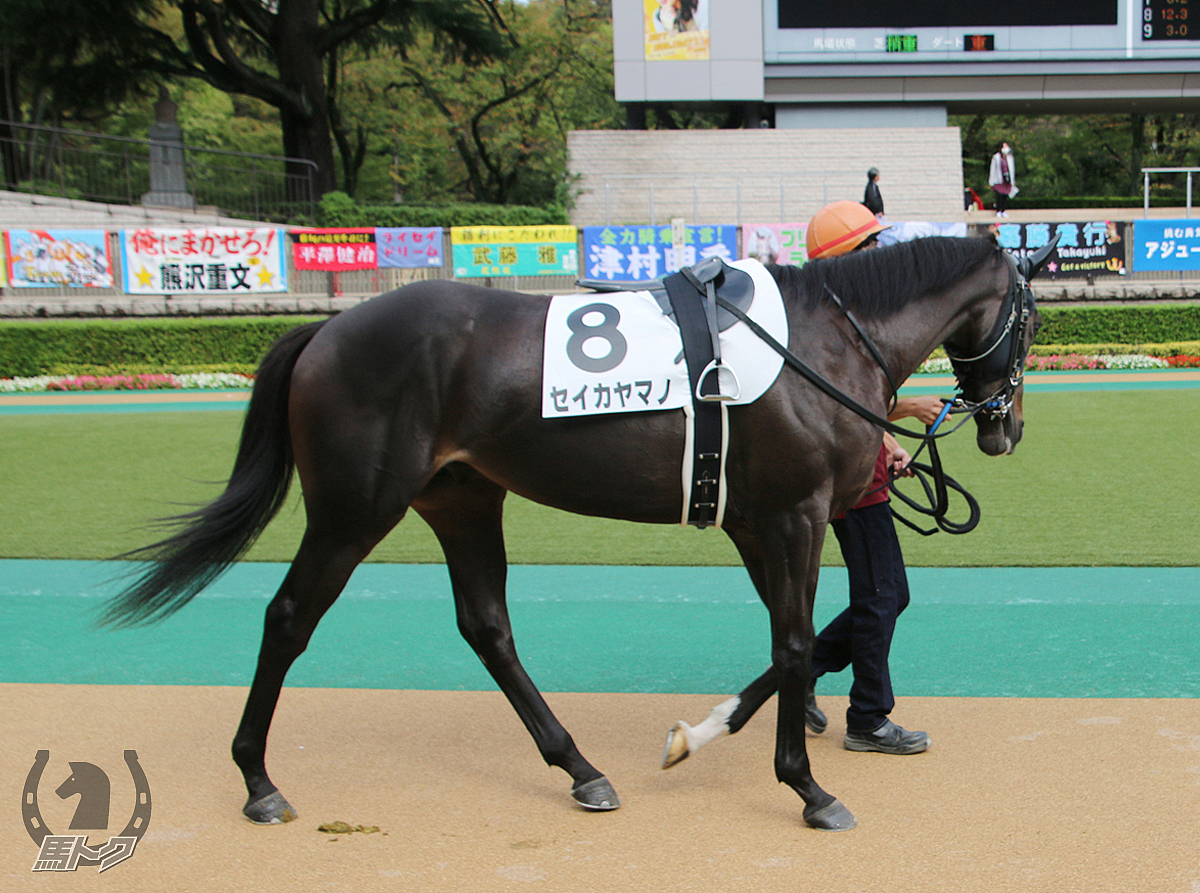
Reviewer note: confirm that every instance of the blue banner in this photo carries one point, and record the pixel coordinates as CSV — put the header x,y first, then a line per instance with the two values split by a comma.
x,y
1166,245
408,247
58,258
639,253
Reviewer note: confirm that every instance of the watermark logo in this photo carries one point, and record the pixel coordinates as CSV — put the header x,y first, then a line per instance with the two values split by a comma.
x,y
66,852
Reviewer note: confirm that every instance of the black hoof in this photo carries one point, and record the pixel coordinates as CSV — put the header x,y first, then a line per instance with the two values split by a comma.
x,y
831,817
597,795
270,810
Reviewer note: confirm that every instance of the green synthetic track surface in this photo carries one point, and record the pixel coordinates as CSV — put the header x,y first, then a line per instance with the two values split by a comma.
x,y
1124,497
970,632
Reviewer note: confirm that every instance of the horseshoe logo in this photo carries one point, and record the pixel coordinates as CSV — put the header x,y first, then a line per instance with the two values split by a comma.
x,y
32,815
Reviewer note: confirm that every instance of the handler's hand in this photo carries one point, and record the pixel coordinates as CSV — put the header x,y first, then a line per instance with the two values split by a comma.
x,y
900,460
898,457
924,409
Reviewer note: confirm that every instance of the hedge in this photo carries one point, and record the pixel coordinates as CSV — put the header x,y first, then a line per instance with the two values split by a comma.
x,y
51,347
339,209
29,347
1121,325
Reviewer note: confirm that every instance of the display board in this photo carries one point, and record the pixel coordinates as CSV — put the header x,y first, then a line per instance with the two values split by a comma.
x,y
940,13
975,31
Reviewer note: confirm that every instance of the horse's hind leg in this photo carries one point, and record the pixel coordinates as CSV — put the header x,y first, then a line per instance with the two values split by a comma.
x,y
465,512
728,717
317,576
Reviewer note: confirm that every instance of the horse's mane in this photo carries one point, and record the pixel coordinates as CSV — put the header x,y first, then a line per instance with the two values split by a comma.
x,y
875,284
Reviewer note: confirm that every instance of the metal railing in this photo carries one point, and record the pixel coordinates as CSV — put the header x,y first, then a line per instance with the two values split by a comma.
x,y
1147,171
117,170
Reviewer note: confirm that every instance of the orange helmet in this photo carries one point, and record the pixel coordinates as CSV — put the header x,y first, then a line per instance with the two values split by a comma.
x,y
839,228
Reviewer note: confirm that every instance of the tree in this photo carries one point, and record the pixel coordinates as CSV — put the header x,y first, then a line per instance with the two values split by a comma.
x,y
98,55
493,130
287,54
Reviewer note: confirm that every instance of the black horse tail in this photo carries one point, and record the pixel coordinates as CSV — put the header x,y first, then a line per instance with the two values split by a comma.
x,y
211,538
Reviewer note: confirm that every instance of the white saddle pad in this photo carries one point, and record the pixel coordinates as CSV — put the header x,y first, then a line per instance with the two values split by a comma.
x,y
618,352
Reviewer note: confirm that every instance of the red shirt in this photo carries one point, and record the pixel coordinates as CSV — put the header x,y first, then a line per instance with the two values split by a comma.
x,y
879,482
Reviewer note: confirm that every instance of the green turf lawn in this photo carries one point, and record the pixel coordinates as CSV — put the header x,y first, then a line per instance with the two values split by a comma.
x,y
1102,478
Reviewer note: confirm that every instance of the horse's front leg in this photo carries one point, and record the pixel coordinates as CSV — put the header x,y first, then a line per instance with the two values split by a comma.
x,y
791,552
465,514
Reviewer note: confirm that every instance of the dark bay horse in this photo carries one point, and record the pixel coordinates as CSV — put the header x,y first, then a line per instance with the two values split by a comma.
x,y
430,397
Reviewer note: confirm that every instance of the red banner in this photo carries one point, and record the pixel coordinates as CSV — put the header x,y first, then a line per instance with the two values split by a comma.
x,y
334,249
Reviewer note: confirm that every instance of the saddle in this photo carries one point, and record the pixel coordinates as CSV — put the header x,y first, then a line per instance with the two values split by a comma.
x,y
731,284
690,298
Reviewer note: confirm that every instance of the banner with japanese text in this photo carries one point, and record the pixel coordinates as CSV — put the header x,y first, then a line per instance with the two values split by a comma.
x,y
56,258
409,247
3,264
775,243
638,253
1084,249
333,249
1166,245
514,250
203,260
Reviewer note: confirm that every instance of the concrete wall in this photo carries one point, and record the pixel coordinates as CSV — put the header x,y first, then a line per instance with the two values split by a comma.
x,y
758,176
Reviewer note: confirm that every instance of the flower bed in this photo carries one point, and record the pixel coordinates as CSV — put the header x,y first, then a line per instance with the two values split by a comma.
x,y
143,382
221,380
1075,361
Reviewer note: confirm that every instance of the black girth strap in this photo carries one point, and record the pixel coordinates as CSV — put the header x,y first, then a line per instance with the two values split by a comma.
x,y
688,304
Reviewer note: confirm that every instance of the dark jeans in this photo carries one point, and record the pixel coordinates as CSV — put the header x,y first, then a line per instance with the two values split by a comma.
x,y
1001,202
861,636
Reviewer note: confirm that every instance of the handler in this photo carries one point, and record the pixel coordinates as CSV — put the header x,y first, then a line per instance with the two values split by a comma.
x,y
861,636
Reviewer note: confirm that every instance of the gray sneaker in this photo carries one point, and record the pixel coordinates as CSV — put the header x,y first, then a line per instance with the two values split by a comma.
x,y
888,738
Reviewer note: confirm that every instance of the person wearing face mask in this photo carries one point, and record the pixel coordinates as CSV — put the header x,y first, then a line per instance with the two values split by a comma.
x,y
1002,177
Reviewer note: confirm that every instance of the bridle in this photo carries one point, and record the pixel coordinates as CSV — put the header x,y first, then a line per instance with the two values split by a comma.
x,y
1005,358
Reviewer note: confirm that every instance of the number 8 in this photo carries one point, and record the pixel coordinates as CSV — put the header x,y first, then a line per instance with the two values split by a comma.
x,y
618,347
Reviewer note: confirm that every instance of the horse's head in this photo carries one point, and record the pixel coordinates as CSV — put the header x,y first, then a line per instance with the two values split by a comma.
x,y
84,778
991,366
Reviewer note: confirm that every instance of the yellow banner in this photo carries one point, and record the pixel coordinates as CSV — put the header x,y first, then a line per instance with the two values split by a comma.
x,y
484,235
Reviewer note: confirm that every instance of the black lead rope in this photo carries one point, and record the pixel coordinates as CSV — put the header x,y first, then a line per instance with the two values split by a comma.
x,y
847,401
937,486
938,493
938,497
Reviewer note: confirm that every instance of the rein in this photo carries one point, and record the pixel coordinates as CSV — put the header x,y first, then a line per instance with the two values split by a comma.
x,y
998,404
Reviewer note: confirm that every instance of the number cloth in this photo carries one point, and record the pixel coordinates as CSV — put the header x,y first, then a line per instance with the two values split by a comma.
x,y
618,351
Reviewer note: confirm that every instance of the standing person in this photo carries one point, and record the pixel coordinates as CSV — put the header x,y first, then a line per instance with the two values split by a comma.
x,y
861,636
1002,177
871,197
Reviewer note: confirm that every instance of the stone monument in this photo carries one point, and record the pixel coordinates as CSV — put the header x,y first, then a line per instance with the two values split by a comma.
x,y
168,176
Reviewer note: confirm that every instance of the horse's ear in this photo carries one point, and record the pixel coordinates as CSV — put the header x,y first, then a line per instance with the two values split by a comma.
x,y
1032,265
